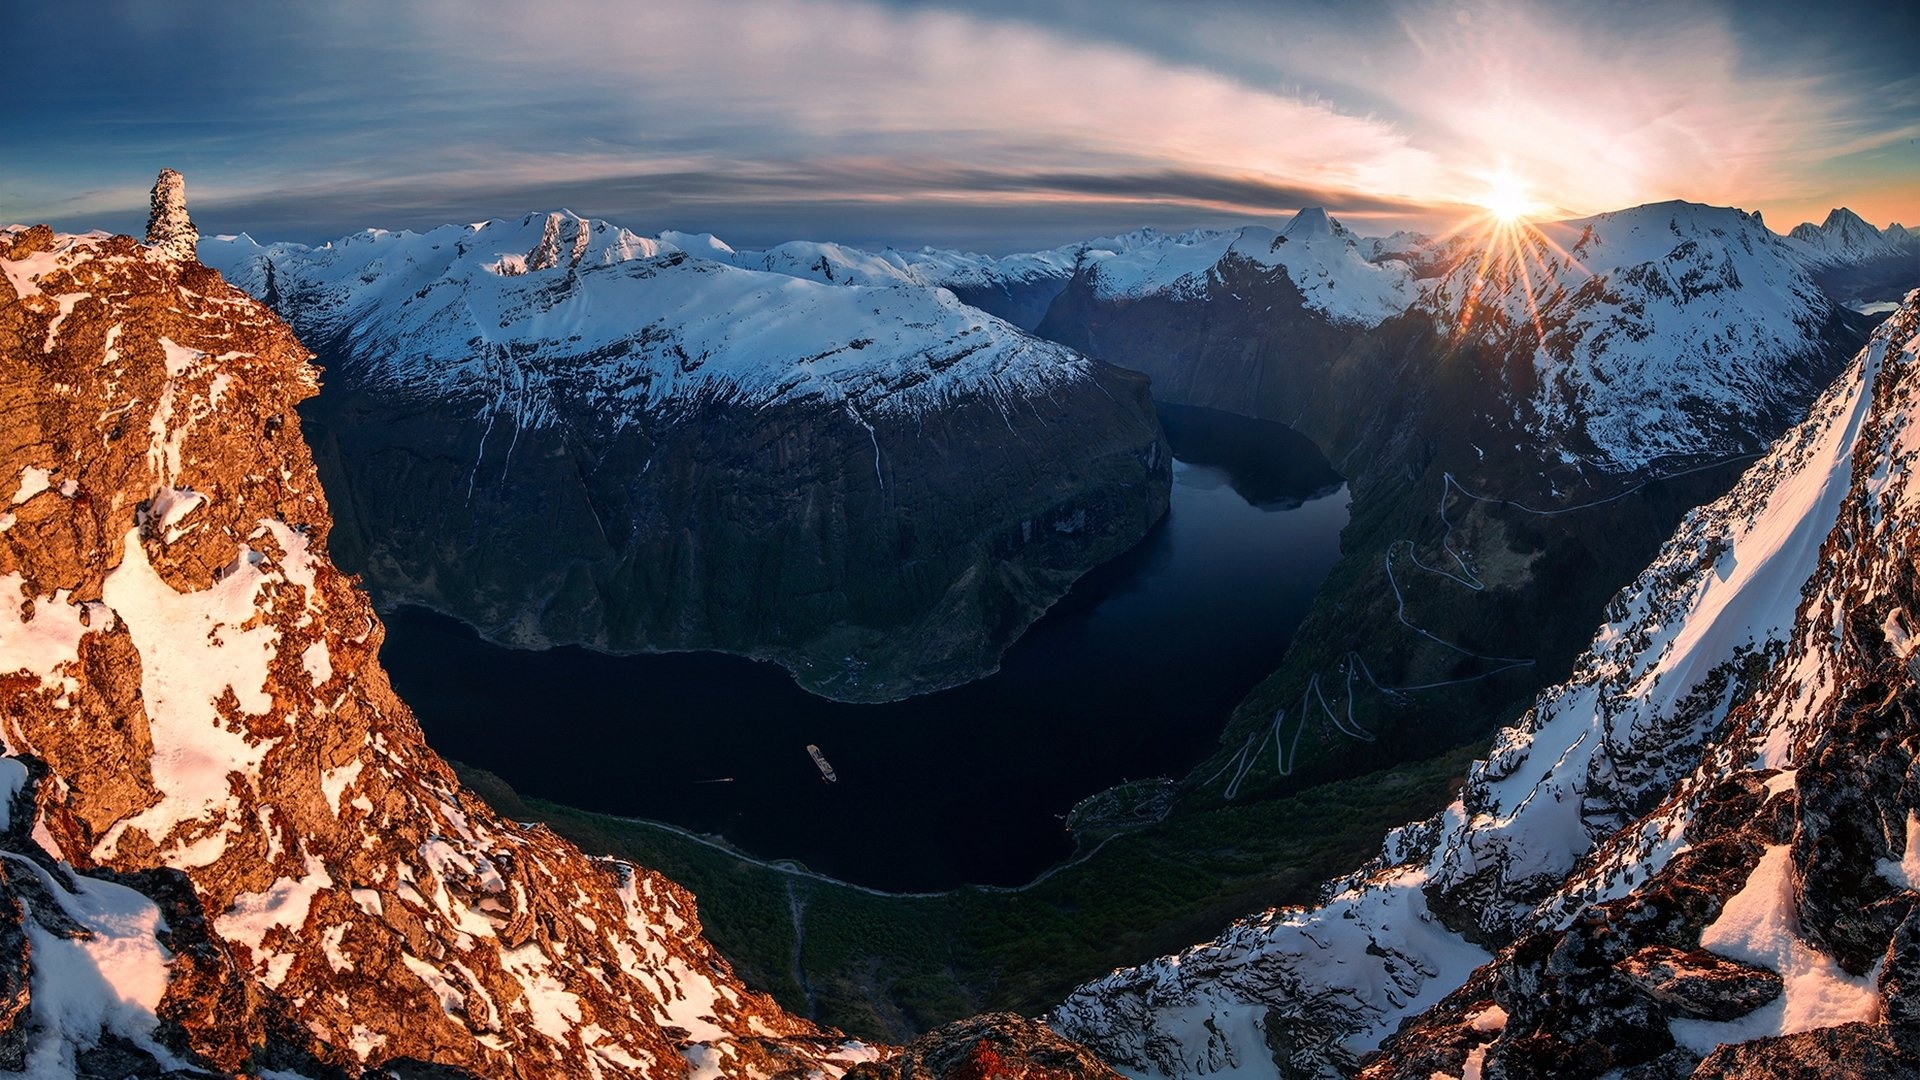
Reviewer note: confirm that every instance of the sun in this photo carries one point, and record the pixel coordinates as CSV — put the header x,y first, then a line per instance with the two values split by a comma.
x,y
1507,197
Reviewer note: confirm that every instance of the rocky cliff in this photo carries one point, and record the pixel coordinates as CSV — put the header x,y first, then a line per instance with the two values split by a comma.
x,y
1696,857
564,433
224,846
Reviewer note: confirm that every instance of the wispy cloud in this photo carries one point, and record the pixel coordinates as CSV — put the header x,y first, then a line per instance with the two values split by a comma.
x,y
719,114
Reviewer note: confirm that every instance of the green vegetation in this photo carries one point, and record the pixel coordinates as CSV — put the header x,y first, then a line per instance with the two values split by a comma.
x,y
886,966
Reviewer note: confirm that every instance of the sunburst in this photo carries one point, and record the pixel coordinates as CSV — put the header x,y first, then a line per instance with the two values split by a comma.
x,y
1508,198
1507,250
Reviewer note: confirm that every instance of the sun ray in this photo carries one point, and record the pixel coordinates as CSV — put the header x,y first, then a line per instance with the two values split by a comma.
x,y
1508,254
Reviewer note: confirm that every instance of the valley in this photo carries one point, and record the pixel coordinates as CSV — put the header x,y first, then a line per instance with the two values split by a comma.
x,y
1130,675
1465,581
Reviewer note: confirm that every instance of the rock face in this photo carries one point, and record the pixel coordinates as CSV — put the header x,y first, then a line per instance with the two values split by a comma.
x,y
169,230
225,846
564,433
1706,839
993,1046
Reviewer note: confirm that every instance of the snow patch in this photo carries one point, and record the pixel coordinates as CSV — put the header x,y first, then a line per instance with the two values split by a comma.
x,y
1760,925
334,784
111,978
196,648
13,778
284,904
317,662
1905,871
47,641
33,481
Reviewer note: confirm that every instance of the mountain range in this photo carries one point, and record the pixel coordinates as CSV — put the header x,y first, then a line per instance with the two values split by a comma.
x,y
564,433
228,848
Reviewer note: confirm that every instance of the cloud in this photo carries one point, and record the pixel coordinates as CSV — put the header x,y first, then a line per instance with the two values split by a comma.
x,y
734,96
323,119
1600,105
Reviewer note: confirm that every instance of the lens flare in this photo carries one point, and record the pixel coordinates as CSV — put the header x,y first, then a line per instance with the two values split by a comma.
x,y
1507,197
1508,255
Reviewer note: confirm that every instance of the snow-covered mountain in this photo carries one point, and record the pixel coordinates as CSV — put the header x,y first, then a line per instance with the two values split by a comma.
x,y
1858,265
1704,839
1247,321
1846,238
1664,331
1017,288
563,432
1321,257
575,302
1610,342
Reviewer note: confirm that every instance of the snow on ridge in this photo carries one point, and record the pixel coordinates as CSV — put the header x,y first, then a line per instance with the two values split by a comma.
x,y
104,972
940,267
1659,677
1172,267
1660,330
1322,258
529,311
1845,237
1361,961
1517,850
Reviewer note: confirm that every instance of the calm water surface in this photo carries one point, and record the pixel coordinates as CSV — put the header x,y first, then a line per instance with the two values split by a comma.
x,y
1131,675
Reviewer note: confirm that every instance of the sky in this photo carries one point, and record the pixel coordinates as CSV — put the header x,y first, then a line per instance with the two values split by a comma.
x,y
996,125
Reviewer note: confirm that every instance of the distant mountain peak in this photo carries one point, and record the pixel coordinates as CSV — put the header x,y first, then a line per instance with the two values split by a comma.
x,y
1312,221
1841,217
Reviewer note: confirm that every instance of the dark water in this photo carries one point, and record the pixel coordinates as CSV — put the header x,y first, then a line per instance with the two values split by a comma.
x,y
1131,675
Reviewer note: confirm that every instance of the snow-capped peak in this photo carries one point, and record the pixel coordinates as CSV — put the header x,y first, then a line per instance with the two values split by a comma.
x,y
700,245
521,306
1656,330
1317,253
1314,221
1845,238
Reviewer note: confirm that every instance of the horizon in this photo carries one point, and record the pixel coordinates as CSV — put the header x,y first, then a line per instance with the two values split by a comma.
x,y
1279,223
993,127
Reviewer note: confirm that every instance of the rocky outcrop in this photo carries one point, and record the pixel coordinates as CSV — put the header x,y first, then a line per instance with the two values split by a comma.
x,y
1706,838
876,487
992,1046
226,847
169,230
